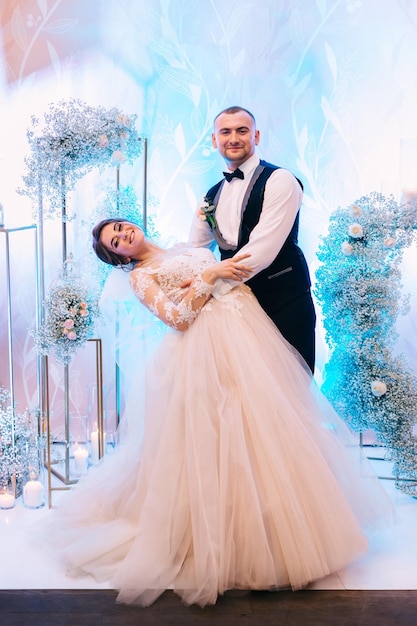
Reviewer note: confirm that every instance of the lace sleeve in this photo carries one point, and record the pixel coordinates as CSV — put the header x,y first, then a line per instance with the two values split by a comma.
x,y
179,315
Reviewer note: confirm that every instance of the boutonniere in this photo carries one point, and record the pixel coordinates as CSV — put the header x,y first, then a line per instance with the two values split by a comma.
x,y
207,213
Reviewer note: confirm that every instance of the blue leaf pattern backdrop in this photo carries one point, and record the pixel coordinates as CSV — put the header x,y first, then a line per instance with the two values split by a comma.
x,y
332,84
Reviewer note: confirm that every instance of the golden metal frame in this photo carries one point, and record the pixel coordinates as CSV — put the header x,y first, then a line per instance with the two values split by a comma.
x,y
51,470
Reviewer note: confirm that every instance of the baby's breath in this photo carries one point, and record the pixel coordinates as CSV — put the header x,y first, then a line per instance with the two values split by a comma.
x,y
359,290
69,142
20,441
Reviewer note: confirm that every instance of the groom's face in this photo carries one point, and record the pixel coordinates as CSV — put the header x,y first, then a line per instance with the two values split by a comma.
x,y
235,137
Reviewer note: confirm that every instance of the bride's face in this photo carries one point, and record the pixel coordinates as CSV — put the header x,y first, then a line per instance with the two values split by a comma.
x,y
123,238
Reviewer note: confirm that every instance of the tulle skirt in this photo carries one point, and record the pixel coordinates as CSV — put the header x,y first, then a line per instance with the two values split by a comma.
x,y
234,472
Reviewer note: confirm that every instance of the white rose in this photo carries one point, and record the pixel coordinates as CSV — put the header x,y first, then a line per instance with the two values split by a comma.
x,y
118,157
379,388
389,242
409,195
347,248
355,210
103,141
124,120
356,231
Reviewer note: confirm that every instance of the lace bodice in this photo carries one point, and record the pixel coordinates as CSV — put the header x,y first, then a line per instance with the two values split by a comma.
x,y
158,285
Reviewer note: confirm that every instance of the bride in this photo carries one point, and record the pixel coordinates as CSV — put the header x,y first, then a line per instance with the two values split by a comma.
x,y
245,478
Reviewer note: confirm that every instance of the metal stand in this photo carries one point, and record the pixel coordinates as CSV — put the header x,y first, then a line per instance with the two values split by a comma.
x,y
52,470
10,335
396,477
44,400
145,225
7,232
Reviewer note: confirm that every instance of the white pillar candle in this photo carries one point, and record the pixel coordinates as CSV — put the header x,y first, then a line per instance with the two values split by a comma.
x,y
80,459
33,494
7,500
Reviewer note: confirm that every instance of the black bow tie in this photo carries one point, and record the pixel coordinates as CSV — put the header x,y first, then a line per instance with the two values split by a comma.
x,y
236,174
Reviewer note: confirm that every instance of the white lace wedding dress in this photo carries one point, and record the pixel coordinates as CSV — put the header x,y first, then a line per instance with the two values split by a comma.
x,y
245,477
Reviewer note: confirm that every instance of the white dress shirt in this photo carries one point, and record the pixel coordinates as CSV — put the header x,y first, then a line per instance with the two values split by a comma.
x,y
282,200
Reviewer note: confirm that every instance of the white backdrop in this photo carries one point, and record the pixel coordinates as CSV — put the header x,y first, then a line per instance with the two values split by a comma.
x,y
331,83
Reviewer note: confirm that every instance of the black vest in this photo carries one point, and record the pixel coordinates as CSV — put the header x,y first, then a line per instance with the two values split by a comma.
x,y
287,277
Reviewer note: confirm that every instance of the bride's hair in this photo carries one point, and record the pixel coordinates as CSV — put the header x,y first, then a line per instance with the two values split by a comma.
x,y
104,254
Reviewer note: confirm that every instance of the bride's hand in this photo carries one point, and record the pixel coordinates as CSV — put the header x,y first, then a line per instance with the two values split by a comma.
x,y
232,269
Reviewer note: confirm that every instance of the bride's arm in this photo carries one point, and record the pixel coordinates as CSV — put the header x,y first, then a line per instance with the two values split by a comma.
x,y
182,314
176,315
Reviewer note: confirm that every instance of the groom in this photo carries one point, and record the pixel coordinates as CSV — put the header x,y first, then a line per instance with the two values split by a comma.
x,y
257,212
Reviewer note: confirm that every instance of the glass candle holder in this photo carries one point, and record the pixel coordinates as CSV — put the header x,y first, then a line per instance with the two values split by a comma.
x,y
7,494
33,493
96,425
80,454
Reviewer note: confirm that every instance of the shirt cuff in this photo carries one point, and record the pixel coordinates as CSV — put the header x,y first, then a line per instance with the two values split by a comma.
x,y
222,287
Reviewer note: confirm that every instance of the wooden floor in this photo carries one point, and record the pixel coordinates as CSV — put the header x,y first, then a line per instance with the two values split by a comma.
x,y
302,608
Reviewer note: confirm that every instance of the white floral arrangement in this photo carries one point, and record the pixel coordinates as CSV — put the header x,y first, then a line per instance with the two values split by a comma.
x,y
71,310
358,286
71,140
20,441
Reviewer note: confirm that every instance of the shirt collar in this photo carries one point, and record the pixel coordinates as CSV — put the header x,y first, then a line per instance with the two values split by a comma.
x,y
249,166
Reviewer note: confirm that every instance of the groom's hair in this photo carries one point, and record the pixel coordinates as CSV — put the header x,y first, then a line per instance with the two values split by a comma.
x,y
235,109
104,254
